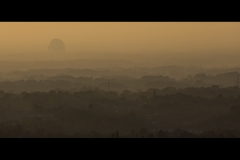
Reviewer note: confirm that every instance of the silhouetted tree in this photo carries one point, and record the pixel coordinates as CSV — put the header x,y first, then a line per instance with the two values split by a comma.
x,y
161,134
143,131
117,135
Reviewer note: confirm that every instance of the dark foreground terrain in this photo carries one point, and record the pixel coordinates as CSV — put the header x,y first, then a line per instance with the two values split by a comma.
x,y
170,112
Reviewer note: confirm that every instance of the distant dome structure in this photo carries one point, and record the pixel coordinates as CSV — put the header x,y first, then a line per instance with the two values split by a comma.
x,y
56,45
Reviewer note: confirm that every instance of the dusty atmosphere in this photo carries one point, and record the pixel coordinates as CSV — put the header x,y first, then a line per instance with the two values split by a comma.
x,y
119,79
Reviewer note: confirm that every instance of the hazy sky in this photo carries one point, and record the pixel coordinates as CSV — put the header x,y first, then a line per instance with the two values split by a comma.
x,y
121,37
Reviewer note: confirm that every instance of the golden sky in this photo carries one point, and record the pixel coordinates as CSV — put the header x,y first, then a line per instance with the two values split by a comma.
x,y
121,37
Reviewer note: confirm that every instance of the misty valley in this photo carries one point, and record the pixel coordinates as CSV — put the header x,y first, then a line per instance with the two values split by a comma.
x,y
115,79
159,102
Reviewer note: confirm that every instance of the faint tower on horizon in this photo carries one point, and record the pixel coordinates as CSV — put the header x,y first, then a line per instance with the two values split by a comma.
x,y
237,81
108,85
154,93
